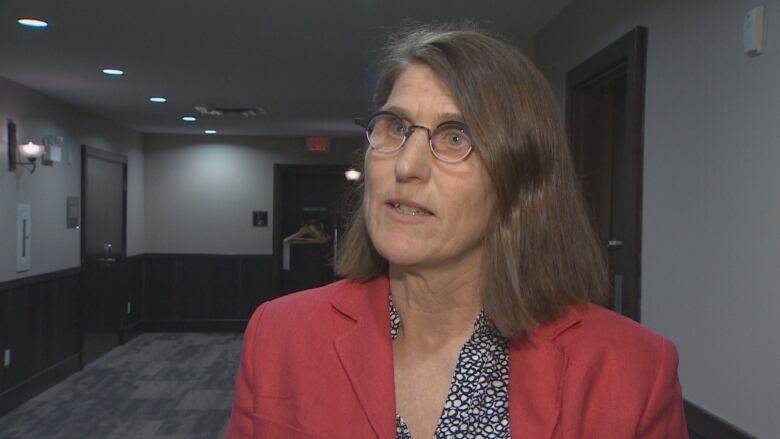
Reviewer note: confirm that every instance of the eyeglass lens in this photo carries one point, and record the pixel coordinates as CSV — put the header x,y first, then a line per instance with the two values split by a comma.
x,y
387,133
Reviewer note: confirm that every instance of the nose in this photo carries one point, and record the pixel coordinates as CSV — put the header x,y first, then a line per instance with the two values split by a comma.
x,y
414,159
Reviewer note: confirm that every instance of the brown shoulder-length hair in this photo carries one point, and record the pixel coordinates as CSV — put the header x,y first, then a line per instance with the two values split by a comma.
x,y
541,254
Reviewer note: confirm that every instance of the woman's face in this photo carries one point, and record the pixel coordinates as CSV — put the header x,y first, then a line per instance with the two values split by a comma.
x,y
422,212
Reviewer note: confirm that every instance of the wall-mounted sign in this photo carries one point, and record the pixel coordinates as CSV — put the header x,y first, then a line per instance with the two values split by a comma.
x,y
260,218
317,144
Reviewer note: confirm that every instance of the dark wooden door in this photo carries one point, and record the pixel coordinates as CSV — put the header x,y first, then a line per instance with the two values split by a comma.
x,y
605,113
104,180
307,194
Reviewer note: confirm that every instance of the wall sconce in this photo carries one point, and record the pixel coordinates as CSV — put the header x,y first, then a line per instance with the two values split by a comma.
x,y
28,153
352,174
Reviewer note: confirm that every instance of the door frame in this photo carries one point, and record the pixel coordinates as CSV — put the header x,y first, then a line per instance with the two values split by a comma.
x,y
87,152
630,51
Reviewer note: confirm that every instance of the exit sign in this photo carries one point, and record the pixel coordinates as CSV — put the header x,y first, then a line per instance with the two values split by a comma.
x,y
317,144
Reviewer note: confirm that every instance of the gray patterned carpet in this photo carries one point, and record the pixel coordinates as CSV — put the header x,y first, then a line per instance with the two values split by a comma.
x,y
156,386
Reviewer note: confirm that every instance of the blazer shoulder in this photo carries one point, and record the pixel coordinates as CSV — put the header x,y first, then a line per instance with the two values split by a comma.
x,y
628,370
308,308
313,296
603,331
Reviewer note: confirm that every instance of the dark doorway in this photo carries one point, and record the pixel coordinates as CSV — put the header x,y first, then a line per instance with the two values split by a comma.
x,y
605,119
310,207
103,238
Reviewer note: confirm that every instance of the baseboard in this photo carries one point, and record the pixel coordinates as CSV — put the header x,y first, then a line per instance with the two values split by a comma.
x,y
196,326
708,426
17,395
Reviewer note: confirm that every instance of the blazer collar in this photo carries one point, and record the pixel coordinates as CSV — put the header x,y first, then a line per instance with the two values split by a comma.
x,y
537,365
550,331
366,352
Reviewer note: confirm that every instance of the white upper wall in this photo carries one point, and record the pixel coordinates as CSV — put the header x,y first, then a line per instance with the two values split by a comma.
x,y
53,246
711,217
201,190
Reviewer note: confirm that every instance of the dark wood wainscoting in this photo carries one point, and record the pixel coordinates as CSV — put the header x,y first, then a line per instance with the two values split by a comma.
x,y
705,425
131,296
40,315
204,292
40,327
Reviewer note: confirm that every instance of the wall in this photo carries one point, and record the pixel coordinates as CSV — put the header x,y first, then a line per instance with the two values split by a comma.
x,y
711,220
53,246
201,190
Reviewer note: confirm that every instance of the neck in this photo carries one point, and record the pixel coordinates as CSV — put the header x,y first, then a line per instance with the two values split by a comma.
x,y
434,305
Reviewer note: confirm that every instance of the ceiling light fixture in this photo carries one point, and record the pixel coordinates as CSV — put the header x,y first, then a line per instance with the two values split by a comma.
x,y
113,72
189,119
158,99
32,22
210,131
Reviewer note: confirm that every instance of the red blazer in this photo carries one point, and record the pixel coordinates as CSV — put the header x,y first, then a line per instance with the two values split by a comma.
x,y
319,364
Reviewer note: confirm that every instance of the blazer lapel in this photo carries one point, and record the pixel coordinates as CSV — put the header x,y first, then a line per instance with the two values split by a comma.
x,y
366,354
536,370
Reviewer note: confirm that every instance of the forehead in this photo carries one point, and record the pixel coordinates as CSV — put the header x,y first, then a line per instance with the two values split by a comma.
x,y
419,91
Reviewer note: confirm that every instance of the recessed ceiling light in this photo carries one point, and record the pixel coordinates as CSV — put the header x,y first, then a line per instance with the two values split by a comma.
x,y
32,22
113,72
158,99
210,131
188,119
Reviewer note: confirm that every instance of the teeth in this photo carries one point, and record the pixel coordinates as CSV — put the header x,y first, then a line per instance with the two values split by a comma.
x,y
406,210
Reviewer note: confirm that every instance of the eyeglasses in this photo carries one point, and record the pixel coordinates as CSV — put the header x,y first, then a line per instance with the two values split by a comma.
x,y
386,133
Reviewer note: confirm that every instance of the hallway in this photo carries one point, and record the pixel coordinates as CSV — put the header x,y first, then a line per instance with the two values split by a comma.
x,y
160,385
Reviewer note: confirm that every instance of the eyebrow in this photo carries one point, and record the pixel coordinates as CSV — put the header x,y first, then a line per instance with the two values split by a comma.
x,y
441,117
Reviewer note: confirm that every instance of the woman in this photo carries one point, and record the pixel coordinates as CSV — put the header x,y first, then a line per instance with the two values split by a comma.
x,y
471,271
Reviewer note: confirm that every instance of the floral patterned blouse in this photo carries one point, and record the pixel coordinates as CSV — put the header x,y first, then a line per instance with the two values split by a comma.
x,y
477,405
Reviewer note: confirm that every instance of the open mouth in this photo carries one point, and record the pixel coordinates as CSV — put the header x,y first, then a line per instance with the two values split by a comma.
x,y
409,210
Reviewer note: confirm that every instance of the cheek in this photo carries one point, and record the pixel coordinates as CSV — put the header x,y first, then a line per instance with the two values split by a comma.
x,y
478,207
474,215
371,202
376,178
369,195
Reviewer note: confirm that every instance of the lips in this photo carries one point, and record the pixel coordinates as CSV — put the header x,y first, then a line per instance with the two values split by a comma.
x,y
406,207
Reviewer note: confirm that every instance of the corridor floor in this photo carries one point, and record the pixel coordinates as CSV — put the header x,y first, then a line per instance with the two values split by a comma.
x,y
156,386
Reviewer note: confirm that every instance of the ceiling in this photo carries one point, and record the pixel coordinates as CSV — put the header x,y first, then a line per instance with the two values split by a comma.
x,y
308,64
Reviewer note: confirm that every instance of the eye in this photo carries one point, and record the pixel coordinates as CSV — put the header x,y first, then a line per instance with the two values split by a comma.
x,y
386,132
396,128
453,137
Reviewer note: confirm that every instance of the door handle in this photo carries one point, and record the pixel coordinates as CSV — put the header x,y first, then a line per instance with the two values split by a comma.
x,y
106,260
614,244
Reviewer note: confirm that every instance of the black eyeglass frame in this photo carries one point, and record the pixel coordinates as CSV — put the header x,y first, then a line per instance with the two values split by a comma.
x,y
408,130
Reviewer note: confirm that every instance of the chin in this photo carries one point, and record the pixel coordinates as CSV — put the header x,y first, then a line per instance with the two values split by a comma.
x,y
401,251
